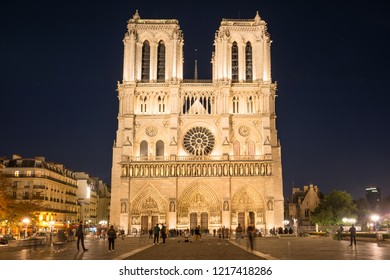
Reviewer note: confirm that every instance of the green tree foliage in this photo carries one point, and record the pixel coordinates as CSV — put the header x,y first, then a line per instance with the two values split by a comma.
x,y
333,208
14,210
363,209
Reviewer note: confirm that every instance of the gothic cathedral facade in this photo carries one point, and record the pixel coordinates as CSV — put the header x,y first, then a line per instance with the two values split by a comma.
x,y
195,152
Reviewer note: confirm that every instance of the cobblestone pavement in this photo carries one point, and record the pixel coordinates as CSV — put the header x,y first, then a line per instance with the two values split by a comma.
x,y
135,248
207,249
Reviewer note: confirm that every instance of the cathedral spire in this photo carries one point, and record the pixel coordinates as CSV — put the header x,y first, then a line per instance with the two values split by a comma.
x,y
196,66
136,15
257,17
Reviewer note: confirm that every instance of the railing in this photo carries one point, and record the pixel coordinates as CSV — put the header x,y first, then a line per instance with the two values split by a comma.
x,y
198,158
135,169
41,177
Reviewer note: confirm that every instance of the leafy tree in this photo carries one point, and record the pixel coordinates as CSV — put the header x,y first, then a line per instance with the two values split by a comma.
x,y
14,210
363,209
333,208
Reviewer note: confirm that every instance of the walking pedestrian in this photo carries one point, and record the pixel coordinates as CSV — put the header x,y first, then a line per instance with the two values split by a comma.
x,y
163,232
239,233
80,237
352,231
249,232
156,232
123,234
111,233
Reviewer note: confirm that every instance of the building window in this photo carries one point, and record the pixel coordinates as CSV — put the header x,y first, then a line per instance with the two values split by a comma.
x,y
144,149
249,104
248,63
160,148
161,62
307,213
251,148
26,195
29,173
16,174
234,62
161,104
236,148
143,104
145,74
199,141
236,105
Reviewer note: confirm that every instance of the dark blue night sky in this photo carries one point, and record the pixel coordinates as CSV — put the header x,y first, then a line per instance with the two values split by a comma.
x,y
61,60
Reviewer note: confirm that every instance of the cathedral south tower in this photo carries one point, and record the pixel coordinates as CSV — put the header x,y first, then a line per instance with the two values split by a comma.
x,y
194,153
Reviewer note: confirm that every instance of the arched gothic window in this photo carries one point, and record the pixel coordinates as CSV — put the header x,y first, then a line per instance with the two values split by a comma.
x,y
160,148
248,63
236,105
251,148
145,74
143,104
234,62
236,148
161,62
161,104
143,149
249,104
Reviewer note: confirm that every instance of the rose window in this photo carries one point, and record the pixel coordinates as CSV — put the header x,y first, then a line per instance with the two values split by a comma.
x,y
151,131
199,141
244,130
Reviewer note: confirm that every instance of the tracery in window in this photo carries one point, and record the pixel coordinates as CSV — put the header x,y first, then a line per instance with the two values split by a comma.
x,y
234,62
143,104
145,74
248,63
161,62
199,141
249,104
236,105
161,104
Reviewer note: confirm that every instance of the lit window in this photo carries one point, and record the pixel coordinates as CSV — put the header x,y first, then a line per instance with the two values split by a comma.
x,y
17,173
161,62
145,62
28,173
248,62
236,103
234,62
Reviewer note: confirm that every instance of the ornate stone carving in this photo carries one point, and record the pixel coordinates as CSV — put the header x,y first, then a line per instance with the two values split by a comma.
x,y
199,141
244,130
151,130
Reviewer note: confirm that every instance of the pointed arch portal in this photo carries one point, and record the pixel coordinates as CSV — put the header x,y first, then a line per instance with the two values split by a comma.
x,y
199,205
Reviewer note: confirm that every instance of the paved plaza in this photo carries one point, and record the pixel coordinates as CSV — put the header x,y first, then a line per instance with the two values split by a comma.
x,y
212,248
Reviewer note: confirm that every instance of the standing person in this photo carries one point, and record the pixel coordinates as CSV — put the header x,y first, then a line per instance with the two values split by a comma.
x,y
111,233
80,237
239,233
123,234
352,231
250,236
163,232
156,232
